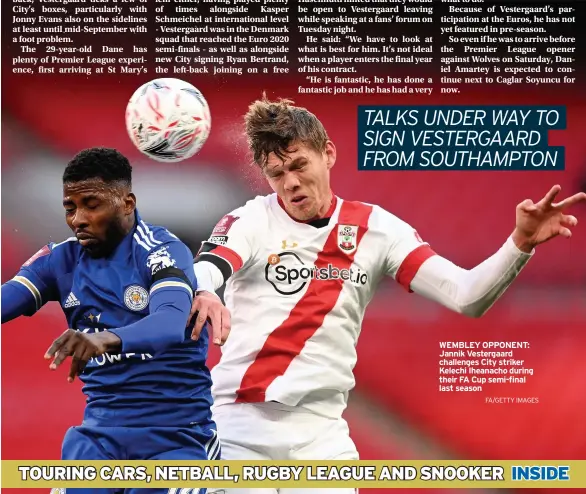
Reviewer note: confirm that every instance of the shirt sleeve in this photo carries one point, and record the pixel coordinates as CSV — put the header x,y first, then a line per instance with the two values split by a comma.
x,y
232,242
406,250
172,283
36,280
471,291
16,302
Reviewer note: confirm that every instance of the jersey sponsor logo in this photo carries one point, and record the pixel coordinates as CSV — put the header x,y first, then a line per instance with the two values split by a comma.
x,y
224,225
286,245
136,297
289,275
42,252
347,235
219,239
71,301
112,358
116,358
160,259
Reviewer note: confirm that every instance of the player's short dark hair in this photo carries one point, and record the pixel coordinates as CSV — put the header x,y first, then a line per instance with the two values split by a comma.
x,y
272,126
104,163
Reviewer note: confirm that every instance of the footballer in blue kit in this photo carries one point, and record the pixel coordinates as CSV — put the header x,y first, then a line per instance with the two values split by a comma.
x,y
126,288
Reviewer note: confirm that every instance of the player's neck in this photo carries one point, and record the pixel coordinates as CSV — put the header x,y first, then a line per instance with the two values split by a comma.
x,y
130,223
328,207
119,236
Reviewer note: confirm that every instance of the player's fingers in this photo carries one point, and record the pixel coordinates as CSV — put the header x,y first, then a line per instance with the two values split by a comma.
x,y
52,365
570,201
199,322
194,310
226,324
565,232
216,319
569,220
60,356
57,344
550,196
528,206
84,359
76,359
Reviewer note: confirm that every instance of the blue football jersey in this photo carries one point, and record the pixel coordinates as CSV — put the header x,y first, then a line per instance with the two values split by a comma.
x,y
170,387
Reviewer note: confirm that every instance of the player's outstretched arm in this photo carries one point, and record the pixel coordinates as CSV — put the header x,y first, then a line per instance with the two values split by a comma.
x,y
16,302
163,328
472,292
172,283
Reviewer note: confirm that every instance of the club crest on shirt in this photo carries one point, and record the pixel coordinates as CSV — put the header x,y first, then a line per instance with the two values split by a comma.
x,y
224,225
136,297
347,235
160,259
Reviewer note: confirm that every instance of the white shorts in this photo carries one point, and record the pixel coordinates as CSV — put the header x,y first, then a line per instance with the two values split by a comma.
x,y
271,431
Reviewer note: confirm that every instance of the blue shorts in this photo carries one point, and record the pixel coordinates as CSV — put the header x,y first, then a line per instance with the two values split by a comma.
x,y
199,442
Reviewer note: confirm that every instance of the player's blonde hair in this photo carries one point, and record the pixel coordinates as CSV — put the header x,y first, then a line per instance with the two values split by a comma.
x,y
272,126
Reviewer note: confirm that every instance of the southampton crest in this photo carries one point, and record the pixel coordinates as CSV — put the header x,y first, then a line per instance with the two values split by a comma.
x,y
347,235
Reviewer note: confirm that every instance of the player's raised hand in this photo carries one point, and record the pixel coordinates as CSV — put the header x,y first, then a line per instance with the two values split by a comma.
x,y
538,222
207,306
81,347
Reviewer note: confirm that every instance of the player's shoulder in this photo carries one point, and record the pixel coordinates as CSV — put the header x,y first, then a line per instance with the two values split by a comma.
x,y
249,216
375,213
155,243
152,235
381,214
253,208
61,255
386,222
156,249
67,247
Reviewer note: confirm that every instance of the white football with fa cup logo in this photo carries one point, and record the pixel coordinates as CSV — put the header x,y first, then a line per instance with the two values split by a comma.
x,y
168,119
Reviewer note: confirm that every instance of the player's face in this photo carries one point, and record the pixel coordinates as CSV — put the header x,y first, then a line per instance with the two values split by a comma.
x,y
302,179
97,214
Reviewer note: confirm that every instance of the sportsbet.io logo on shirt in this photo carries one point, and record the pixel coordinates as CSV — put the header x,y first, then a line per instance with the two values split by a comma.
x,y
288,275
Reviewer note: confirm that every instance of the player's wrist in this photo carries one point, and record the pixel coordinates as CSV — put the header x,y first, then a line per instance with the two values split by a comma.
x,y
523,242
108,342
207,293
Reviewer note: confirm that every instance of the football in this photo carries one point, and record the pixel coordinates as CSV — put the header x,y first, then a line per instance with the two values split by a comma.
x,y
168,119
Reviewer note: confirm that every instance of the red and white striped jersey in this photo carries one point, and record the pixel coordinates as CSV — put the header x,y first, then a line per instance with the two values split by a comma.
x,y
297,293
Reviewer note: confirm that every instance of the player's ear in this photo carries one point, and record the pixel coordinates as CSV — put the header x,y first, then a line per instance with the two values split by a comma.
x,y
129,203
330,152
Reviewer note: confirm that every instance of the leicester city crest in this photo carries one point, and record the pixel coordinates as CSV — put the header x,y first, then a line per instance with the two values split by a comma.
x,y
136,297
